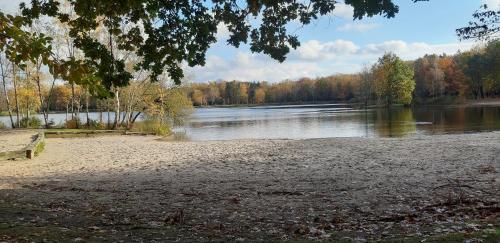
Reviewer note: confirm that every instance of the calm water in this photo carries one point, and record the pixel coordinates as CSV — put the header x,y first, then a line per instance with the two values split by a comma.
x,y
333,120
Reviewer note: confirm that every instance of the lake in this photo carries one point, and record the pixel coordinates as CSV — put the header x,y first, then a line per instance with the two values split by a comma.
x,y
328,120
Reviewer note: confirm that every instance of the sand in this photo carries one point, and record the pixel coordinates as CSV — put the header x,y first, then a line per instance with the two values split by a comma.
x,y
15,140
140,188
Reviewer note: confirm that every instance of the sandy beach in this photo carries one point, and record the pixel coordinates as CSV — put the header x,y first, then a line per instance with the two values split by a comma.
x,y
144,189
15,140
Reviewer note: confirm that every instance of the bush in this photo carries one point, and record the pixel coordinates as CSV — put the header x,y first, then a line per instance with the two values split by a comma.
x,y
39,148
152,127
73,123
32,122
95,124
2,125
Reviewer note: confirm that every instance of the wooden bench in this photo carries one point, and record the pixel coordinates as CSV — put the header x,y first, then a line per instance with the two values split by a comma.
x,y
35,147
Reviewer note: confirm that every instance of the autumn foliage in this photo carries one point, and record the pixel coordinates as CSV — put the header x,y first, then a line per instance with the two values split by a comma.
x,y
430,79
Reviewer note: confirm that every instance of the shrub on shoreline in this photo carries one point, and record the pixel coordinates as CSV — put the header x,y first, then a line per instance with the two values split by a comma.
x,y
96,125
152,126
32,122
73,123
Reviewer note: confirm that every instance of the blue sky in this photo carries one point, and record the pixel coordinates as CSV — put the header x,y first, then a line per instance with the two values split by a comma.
x,y
337,44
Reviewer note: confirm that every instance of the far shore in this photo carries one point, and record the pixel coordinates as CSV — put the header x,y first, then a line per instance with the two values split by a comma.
x,y
482,102
141,188
489,101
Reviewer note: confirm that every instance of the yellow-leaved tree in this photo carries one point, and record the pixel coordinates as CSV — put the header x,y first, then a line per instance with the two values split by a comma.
x,y
393,80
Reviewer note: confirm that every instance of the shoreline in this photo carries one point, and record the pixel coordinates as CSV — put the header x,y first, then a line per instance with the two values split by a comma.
x,y
119,187
488,101
483,102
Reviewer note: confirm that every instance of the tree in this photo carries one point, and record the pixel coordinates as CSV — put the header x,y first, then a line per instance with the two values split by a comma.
x,y
38,78
62,94
198,97
492,58
475,69
221,86
233,92
164,34
260,95
481,65
435,78
323,90
485,26
4,73
28,100
454,78
166,106
177,106
394,81
243,93
15,79
304,90
365,86
212,93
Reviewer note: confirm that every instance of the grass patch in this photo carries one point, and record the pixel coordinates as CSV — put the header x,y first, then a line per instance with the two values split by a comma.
x,y
39,148
152,127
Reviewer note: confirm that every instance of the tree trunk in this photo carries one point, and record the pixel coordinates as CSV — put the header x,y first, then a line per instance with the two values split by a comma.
x,y
79,107
16,98
67,112
124,117
132,121
49,98
27,113
40,96
100,116
162,108
109,118
117,93
117,109
72,101
7,100
87,107
130,115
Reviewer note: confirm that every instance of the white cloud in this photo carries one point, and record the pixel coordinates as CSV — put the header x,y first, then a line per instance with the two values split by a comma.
x,y
492,4
253,67
313,59
343,10
359,27
414,50
315,50
387,46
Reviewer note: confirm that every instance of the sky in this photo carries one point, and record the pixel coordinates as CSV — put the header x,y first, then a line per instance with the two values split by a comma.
x,y
336,44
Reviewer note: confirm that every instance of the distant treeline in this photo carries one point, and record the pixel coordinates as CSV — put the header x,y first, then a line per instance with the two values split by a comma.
x,y
474,74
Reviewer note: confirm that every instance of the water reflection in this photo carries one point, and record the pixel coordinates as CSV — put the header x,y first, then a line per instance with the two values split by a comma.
x,y
394,122
461,119
298,122
322,121
60,118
